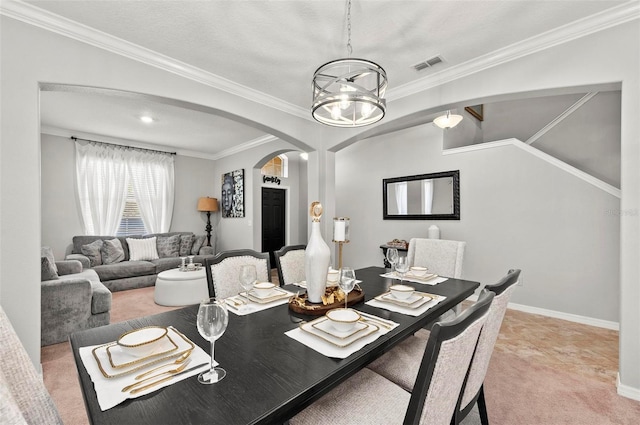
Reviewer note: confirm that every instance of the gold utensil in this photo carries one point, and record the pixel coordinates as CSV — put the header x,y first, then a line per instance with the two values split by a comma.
x,y
168,372
372,319
179,360
160,381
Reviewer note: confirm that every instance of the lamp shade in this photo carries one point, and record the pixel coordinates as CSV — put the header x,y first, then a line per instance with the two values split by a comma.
x,y
448,120
208,204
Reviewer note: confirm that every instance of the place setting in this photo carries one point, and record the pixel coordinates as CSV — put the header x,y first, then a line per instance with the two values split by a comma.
x,y
257,296
406,300
400,269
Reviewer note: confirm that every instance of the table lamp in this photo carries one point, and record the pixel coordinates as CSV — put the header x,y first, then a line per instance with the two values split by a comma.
x,y
208,205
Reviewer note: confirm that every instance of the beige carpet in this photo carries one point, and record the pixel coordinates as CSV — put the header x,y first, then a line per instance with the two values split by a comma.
x,y
519,390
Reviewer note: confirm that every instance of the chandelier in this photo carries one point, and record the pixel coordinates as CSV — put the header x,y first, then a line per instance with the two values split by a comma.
x,y
349,92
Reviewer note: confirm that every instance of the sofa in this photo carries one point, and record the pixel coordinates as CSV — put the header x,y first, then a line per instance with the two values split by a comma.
x,y
72,299
127,272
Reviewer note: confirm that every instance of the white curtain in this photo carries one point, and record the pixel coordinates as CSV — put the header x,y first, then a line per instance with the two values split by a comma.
x,y
101,172
427,196
401,197
152,178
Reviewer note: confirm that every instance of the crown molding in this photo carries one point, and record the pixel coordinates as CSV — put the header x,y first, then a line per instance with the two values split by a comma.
x,y
245,146
588,178
591,24
51,22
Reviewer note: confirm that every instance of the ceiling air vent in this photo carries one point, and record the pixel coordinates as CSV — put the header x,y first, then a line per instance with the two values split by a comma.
x,y
428,63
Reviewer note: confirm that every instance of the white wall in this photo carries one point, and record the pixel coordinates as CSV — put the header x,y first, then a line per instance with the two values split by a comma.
x,y
61,220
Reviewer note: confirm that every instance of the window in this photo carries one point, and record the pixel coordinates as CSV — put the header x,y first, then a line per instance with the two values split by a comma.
x,y
131,222
278,166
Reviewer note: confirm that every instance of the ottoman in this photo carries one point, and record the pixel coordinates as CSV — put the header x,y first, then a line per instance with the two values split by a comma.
x,y
174,288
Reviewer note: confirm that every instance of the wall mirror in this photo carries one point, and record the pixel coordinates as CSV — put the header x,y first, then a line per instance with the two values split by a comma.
x,y
434,196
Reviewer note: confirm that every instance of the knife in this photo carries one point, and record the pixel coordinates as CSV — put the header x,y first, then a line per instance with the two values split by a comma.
x,y
139,389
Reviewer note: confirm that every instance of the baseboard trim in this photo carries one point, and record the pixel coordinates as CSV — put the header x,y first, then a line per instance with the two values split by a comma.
x,y
627,391
606,324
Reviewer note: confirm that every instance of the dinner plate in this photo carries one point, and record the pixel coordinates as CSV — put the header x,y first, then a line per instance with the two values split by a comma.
x,y
418,299
120,358
422,278
320,328
101,356
277,294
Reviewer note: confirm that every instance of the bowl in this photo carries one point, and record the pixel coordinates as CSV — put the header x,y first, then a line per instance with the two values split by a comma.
x,y
343,319
333,275
143,341
419,271
263,289
401,292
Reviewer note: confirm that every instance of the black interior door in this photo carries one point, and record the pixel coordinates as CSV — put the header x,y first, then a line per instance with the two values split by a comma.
x,y
273,221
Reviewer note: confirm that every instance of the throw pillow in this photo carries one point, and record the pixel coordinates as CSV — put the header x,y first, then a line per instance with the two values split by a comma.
x,y
142,249
112,251
46,251
47,272
92,251
168,246
197,244
186,242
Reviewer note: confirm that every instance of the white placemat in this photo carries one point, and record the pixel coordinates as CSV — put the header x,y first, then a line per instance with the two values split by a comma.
x,y
109,390
331,350
404,310
410,278
247,307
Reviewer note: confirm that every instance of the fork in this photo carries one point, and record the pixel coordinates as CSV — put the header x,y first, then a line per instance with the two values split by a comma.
x,y
168,372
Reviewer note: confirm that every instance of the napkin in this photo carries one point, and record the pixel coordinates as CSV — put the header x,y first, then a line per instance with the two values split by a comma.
x,y
410,278
253,307
404,310
109,390
331,350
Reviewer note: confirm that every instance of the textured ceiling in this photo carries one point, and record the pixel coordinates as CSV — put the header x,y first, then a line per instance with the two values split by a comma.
x,y
275,46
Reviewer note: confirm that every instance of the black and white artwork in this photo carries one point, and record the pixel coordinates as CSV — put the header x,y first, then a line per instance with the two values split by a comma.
x,y
233,194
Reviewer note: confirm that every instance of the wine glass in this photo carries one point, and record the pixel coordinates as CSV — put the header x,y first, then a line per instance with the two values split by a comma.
x,y
212,321
248,276
392,257
402,266
347,282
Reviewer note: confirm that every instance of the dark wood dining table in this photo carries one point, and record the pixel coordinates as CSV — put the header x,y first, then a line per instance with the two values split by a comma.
x,y
270,376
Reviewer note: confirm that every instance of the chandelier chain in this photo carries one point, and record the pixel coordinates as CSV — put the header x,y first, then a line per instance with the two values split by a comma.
x,y
349,48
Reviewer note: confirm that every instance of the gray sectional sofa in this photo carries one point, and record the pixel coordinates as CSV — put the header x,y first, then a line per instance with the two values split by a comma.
x,y
127,274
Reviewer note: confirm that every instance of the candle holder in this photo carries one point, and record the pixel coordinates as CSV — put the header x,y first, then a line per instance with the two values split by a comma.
x,y
340,235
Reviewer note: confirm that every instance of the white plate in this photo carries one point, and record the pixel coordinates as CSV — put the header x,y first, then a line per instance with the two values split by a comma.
x,y
426,277
322,329
276,294
416,300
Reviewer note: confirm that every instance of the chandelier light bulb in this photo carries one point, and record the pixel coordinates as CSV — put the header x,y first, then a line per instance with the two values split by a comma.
x,y
336,113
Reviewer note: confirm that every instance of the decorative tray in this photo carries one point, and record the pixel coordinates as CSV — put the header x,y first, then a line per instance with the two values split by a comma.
x,y
301,305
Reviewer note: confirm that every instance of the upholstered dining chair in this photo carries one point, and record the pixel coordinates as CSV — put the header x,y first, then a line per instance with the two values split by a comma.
x,y
23,396
369,398
223,270
290,263
401,364
442,257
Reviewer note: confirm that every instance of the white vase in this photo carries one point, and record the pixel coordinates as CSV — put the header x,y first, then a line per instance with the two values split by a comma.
x,y
316,263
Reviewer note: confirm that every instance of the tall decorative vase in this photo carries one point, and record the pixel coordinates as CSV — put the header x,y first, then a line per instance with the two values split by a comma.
x,y
316,258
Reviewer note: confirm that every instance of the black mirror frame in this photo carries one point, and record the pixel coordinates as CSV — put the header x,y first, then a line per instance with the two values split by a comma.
x,y
456,197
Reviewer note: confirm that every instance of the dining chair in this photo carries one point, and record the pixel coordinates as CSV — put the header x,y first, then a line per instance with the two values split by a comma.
x,y
23,397
442,257
223,270
290,263
401,364
370,398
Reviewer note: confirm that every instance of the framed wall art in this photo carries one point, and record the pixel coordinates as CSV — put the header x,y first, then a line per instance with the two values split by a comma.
x,y
233,194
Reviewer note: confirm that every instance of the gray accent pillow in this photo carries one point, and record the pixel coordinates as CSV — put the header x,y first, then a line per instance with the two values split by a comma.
x,y
47,272
92,251
186,242
112,251
46,251
197,244
168,246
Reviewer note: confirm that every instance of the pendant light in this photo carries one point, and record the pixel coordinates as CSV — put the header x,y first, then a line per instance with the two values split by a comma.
x,y
448,120
349,92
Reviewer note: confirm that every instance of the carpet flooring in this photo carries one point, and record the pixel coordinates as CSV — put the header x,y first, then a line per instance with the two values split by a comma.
x,y
543,371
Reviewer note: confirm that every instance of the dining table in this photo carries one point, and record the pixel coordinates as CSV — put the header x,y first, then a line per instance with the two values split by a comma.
x,y
270,376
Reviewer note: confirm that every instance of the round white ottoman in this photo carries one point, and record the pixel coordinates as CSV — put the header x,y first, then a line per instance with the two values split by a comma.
x,y
174,287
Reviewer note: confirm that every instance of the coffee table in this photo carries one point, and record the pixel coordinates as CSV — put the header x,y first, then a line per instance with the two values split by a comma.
x,y
175,287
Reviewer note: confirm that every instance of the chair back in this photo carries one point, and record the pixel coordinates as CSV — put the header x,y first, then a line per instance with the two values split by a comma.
x,y
223,271
445,364
488,336
290,263
23,396
442,257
